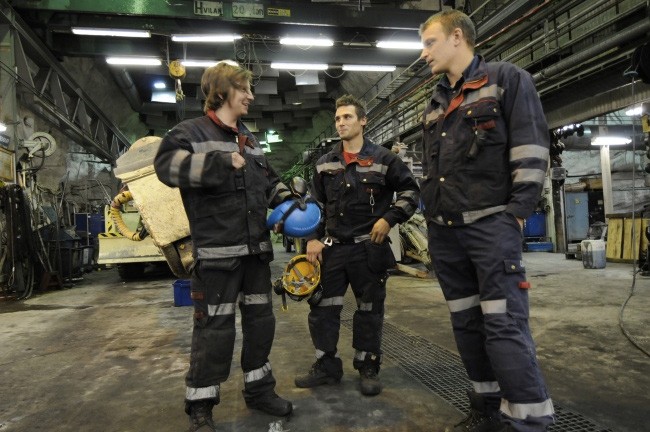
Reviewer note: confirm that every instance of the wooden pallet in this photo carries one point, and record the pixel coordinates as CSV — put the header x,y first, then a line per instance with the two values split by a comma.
x,y
624,240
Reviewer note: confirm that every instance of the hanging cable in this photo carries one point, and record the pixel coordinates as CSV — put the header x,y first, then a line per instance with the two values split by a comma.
x,y
633,74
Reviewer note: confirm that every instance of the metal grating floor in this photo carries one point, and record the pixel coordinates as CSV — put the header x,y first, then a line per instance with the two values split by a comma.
x,y
442,372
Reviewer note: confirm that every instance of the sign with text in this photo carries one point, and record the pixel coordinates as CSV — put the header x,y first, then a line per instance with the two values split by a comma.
x,y
247,10
7,165
208,8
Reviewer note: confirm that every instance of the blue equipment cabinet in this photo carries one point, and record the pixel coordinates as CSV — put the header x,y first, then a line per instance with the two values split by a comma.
x,y
576,207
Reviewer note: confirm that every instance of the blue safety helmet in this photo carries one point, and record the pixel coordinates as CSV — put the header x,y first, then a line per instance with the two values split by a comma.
x,y
295,218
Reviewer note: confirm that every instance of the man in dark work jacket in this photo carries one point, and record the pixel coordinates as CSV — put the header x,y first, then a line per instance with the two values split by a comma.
x,y
227,186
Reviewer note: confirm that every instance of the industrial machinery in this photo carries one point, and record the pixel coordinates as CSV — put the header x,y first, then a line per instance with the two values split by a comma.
x,y
413,240
125,243
155,228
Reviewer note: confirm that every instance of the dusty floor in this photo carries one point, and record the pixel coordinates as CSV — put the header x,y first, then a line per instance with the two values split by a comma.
x,y
110,356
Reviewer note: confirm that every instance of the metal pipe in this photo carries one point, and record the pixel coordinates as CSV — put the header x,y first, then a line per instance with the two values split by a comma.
x,y
583,18
629,33
126,84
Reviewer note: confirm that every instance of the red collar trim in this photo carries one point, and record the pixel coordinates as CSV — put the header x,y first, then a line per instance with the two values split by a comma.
x,y
242,139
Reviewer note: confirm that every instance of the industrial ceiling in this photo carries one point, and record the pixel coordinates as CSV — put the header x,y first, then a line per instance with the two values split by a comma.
x,y
577,51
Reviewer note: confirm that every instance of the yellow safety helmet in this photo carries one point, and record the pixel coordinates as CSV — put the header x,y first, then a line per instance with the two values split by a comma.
x,y
300,280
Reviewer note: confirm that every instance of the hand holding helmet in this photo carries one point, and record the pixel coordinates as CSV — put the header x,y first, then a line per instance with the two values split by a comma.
x,y
298,216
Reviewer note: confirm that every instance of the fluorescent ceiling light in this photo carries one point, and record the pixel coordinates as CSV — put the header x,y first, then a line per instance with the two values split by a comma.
x,y
299,66
369,68
199,63
205,37
407,45
159,85
134,61
610,140
307,41
85,31
207,63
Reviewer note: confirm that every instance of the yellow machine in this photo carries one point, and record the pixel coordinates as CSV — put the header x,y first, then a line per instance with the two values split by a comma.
x,y
124,242
155,207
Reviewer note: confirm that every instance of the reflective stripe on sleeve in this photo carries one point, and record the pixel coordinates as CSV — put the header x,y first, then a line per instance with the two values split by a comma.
x,y
530,175
175,166
528,151
197,162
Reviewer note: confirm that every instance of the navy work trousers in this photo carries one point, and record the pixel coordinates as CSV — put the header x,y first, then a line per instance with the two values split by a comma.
x,y
480,269
345,264
218,286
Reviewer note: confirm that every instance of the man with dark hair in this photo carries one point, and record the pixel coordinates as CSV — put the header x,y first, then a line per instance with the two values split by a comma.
x,y
485,155
227,186
355,183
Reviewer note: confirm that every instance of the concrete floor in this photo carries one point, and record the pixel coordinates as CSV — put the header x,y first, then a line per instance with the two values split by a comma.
x,y
110,356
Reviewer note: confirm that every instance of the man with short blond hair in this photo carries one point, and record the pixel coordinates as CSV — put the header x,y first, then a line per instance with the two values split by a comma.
x,y
485,155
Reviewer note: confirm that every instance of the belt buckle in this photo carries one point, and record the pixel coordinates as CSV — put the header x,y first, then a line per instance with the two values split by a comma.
x,y
328,241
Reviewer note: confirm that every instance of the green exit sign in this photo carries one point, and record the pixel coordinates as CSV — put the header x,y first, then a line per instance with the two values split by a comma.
x,y
247,10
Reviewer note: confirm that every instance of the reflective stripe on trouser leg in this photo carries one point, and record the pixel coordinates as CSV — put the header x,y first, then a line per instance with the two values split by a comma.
x,y
215,294
492,248
457,278
370,292
258,327
325,317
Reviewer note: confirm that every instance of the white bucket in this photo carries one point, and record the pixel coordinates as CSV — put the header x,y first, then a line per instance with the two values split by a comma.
x,y
593,254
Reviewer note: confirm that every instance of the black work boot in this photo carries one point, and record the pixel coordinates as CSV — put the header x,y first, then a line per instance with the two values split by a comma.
x,y
200,413
327,370
270,403
482,416
369,373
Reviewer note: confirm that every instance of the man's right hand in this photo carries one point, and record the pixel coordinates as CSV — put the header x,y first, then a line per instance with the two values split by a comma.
x,y
315,251
238,160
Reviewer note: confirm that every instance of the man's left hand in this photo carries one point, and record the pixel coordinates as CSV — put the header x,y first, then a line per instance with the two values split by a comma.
x,y
379,231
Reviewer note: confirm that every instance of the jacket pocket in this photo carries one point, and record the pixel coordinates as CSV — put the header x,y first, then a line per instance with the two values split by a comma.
x,y
484,118
380,257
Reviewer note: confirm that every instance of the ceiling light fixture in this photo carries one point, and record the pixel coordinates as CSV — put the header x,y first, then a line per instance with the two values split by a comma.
x,y
134,61
199,63
610,140
306,41
207,63
368,68
205,37
159,85
86,31
299,66
406,45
